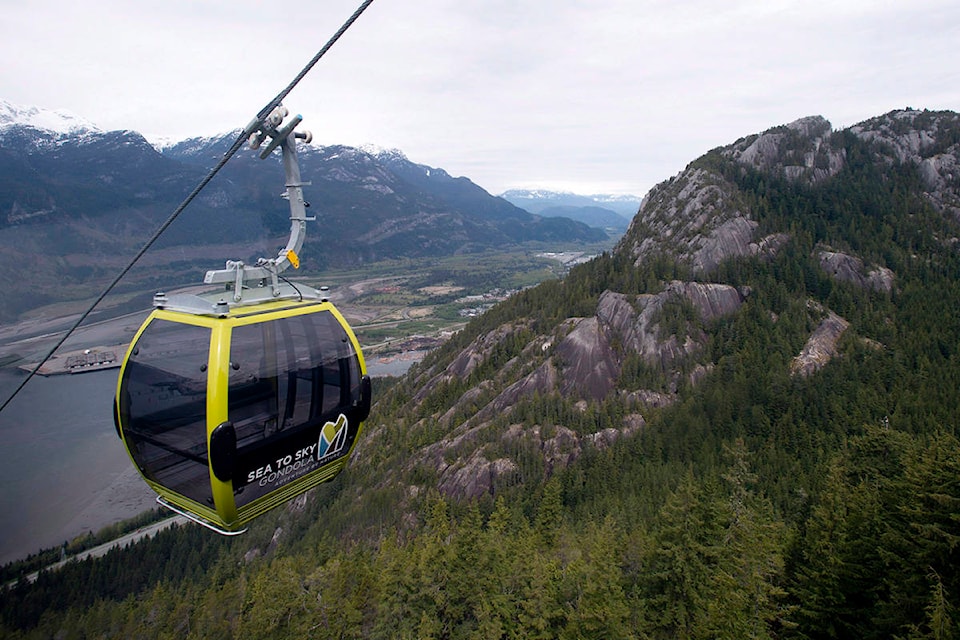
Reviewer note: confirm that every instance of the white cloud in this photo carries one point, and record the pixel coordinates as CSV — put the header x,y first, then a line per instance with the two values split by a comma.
x,y
606,95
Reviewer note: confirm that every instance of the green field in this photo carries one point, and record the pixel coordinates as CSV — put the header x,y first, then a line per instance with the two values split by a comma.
x,y
393,305
393,301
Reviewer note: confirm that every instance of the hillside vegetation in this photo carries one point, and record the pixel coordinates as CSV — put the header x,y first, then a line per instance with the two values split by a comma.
x,y
741,422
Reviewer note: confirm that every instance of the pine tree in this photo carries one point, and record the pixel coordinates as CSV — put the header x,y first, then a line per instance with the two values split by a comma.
x,y
679,575
748,599
596,602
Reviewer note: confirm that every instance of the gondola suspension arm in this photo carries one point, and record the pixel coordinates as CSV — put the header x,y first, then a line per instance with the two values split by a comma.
x,y
267,270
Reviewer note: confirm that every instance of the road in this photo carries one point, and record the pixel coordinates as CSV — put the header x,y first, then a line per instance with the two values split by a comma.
x,y
143,532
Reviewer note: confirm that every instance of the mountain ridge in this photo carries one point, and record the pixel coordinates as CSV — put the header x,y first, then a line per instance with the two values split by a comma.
x,y
55,120
654,329
599,210
84,194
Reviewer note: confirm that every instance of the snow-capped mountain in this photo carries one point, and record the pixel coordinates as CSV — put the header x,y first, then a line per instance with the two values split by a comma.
x,y
57,121
605,211
538,200
89,197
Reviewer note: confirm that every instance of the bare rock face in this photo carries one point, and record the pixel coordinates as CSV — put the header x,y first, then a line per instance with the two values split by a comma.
x,y
909,135
466,361
583,365
800,150
561,449
695,217
589,363
847,268
637,323
821,347
475,476
466,470
587,353
711,301
544,379
926,139
471,357
768,246
649,399
698,218
941,174
732,238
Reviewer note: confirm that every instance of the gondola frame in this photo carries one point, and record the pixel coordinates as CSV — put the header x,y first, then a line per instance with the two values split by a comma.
x,y
224,515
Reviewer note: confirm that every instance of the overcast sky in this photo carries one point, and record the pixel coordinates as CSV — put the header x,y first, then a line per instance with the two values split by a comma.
x,y
608,96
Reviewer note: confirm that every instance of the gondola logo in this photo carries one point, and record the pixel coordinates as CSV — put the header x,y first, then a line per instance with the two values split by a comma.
x,y
332,438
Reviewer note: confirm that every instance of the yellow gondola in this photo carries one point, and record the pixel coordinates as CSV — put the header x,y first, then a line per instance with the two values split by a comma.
x,y
232,403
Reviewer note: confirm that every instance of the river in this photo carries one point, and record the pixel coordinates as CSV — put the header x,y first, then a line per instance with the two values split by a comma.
x,y
63,470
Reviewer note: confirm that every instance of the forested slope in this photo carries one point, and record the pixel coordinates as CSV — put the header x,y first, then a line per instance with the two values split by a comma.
x,y
740,423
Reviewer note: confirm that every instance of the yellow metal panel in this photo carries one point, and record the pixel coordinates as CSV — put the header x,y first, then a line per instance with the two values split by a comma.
x,y
353,338
266,311
184,318
218,372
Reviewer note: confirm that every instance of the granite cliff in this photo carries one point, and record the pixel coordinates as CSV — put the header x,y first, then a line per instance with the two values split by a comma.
x,y
641,347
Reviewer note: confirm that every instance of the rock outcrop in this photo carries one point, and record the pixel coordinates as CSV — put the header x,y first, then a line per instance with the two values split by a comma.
x,y
467,469
847,268
642,349
700,218
695,217
468,359
587,360
801,150
927,139
663,329
821,346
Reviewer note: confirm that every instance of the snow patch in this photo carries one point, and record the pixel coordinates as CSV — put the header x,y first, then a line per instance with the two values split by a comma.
x,y
57,121
381,153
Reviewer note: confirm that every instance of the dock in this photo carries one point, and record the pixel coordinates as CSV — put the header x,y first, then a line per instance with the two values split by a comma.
x,y
82,361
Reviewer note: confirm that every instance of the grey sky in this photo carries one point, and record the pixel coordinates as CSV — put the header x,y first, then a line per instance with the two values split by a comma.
x,y
588,96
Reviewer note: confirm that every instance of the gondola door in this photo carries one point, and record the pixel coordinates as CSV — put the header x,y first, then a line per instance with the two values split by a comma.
x,y
297,394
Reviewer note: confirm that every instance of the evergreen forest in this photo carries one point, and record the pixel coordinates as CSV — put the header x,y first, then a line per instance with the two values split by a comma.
x,y
756,503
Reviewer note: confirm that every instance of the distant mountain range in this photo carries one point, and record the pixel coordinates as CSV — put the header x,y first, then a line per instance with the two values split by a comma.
x,y
76,202
57,121
605,211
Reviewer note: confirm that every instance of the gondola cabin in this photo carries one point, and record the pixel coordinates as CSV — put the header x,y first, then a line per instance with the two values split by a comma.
x,y
227,415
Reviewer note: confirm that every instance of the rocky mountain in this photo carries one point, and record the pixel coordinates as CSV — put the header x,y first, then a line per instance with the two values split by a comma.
x,y
599,217
700,216
640,327
76,202
536,200
792,297
604,211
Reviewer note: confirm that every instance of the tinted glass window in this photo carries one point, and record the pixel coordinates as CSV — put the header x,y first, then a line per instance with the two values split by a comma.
x,y
163,407
288,379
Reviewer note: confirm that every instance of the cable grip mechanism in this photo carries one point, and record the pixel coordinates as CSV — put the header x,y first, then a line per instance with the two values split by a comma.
x,y
255,283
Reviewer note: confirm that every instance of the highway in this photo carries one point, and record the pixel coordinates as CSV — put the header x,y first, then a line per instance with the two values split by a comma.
x,y
143,532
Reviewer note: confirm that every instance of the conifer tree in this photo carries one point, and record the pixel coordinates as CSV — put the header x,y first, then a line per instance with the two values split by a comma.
x,y
748,599
679,574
